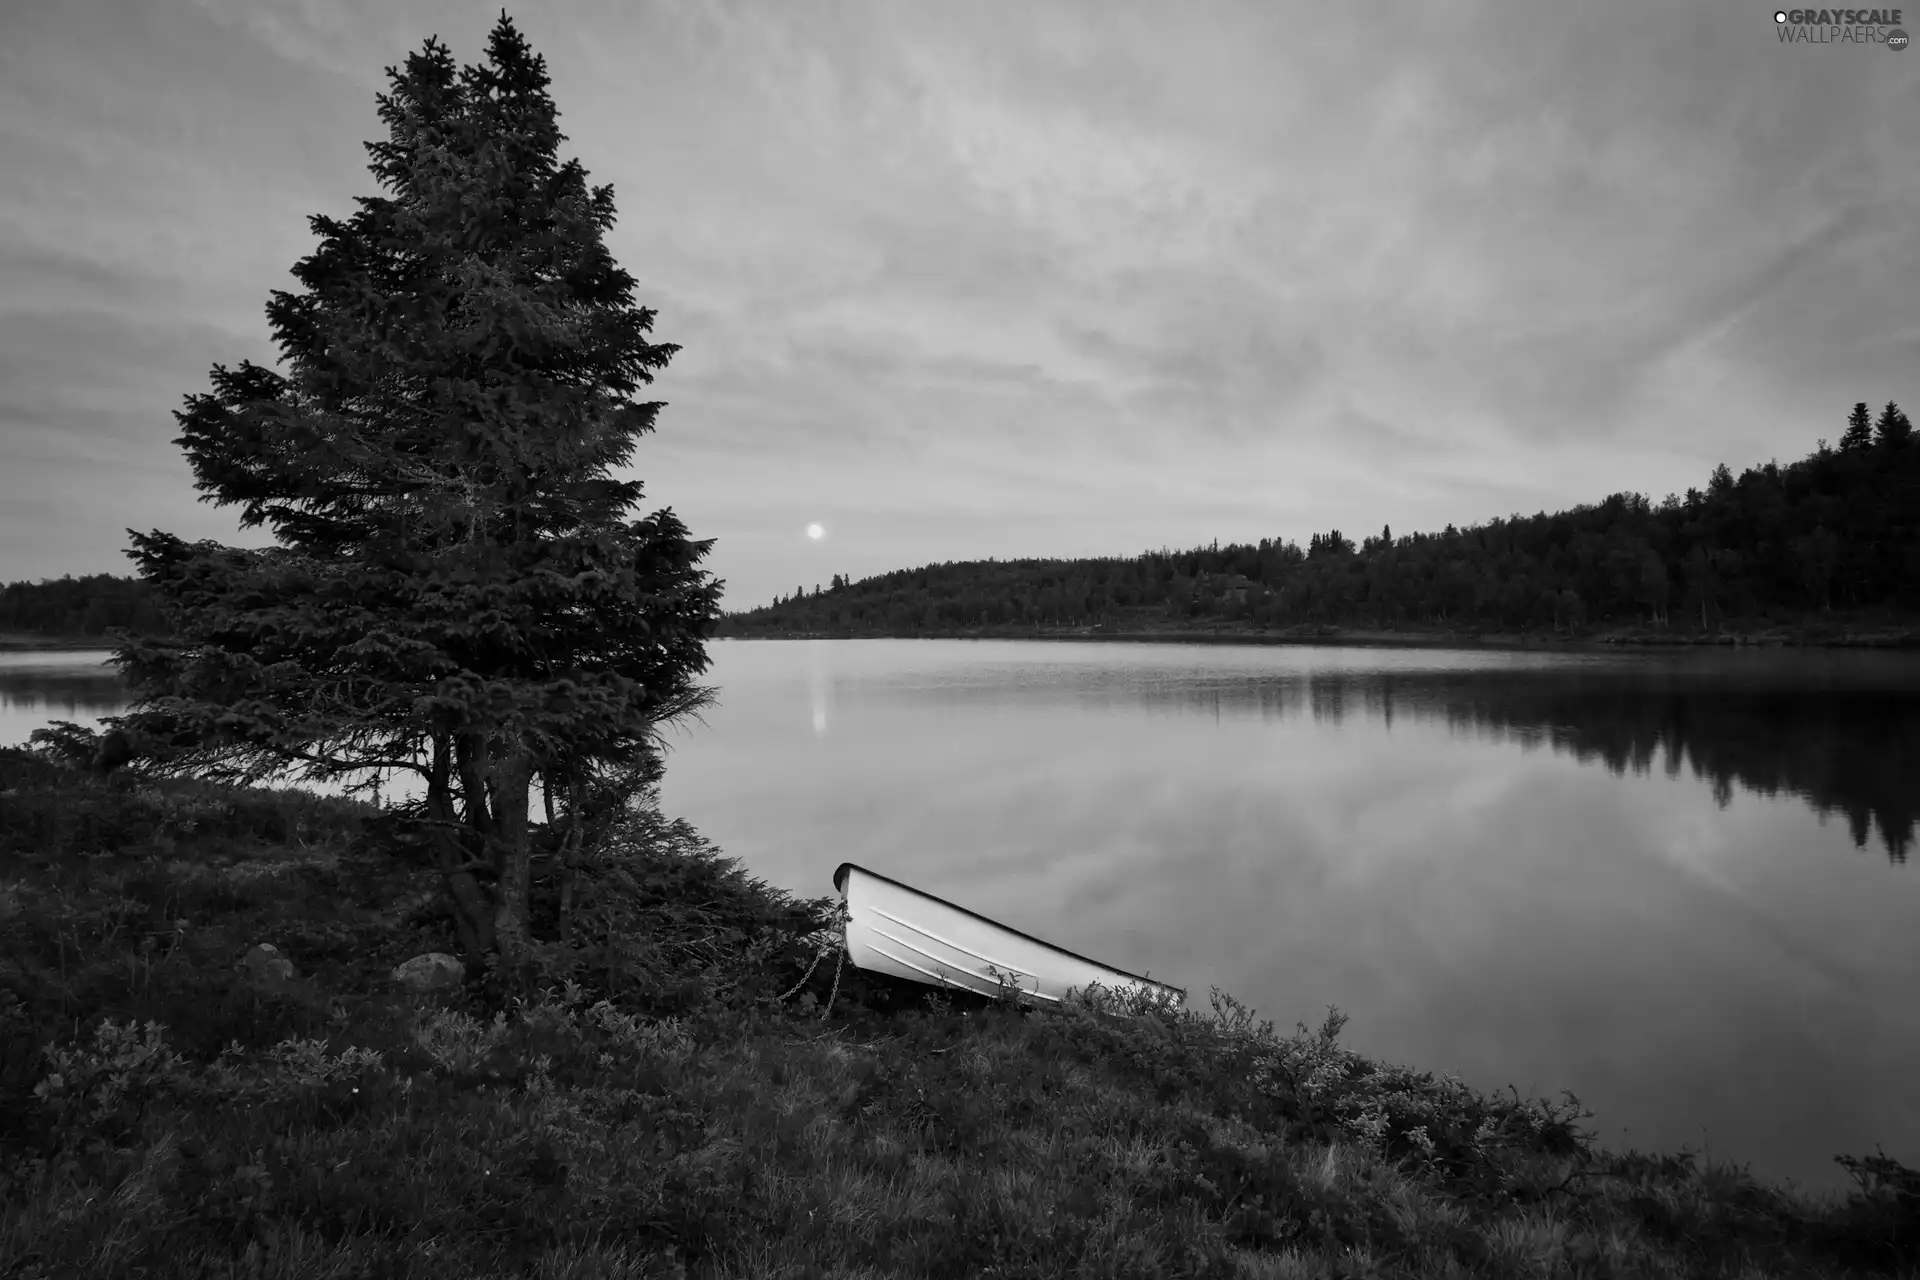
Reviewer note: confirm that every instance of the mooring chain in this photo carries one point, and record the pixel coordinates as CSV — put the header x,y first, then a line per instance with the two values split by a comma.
x,y
818,957
836,984
835,945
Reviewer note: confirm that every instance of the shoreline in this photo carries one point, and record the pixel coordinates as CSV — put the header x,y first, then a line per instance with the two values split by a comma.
x,y
29,642
1338,637
1885,637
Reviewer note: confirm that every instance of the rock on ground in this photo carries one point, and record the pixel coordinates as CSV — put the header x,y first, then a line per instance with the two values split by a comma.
x,y
266,970
434,971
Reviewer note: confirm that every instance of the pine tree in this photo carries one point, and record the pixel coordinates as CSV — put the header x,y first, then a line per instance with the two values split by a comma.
x,y
457,590
1893,431
1859,432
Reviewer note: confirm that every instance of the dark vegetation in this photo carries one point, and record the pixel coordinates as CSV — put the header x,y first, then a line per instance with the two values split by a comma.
x,y
80,607
657,1109
1830,543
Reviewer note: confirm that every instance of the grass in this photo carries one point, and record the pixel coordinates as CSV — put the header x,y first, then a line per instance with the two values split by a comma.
x,y
655,1110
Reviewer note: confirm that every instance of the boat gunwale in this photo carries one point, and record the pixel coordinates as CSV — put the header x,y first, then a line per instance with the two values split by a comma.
x,y
839,884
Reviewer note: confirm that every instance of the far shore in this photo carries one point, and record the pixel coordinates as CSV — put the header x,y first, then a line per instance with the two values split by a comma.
x,y
1356,637
30,642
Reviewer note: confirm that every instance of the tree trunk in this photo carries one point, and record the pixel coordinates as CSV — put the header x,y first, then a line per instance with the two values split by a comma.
x,y
569,859
470,757
511,775
471,919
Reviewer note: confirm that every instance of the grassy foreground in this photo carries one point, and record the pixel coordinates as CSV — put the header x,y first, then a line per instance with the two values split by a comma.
x,y
656,1110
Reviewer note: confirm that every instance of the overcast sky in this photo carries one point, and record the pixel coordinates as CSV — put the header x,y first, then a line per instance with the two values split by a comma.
x,y
960,280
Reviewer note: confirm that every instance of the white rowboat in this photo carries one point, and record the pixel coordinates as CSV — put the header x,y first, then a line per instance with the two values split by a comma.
x,y
896,929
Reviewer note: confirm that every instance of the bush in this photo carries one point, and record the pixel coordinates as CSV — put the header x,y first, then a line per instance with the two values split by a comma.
x,y
662,923
53,811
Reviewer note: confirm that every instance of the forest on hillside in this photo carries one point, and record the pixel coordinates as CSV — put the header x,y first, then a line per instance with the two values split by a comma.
x,y
1837,530
86,606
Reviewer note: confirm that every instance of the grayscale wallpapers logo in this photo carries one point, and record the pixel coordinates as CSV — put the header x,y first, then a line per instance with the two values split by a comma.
x,y
1841,26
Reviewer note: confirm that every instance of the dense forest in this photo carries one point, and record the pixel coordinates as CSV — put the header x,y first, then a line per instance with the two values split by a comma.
x,y
1836,531
72,606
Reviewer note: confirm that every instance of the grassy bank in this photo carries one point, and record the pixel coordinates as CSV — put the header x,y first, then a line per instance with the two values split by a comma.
x,y
657,1110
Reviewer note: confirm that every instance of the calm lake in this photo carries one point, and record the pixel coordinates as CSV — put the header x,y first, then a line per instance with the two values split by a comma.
x,y
1675,884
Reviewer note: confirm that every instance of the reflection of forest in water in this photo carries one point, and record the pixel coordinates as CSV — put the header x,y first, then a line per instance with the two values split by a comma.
x,y
53,691
1849,748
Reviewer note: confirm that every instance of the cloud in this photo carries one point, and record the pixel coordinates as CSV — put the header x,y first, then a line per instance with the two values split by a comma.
x,y
333,36
60,356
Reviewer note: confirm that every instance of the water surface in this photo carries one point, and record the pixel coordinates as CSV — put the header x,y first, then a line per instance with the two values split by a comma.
x,y
1675,884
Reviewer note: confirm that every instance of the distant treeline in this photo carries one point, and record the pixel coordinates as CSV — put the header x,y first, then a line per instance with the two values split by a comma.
x,y
1839,529
86,606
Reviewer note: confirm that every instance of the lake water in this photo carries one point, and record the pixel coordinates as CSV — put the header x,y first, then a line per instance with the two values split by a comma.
x,y
1675,884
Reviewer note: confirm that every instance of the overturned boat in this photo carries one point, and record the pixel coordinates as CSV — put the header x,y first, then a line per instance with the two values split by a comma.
x,y
895,929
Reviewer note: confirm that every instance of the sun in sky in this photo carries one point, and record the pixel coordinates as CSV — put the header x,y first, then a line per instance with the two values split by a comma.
x,y
816,531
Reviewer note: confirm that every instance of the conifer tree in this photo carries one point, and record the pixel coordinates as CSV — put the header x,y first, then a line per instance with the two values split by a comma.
x,y
1893,431
457,591
1859,432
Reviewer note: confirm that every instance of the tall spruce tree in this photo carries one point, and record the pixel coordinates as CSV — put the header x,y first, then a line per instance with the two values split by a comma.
x,y
1893,430
457,592
1859,432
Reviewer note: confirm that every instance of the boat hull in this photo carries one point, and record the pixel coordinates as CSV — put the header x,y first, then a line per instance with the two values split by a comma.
x,y
895,929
